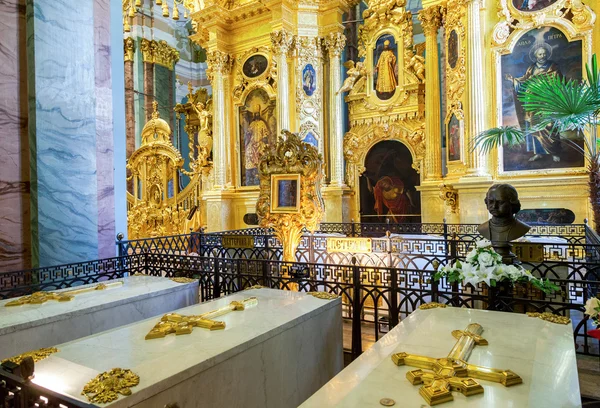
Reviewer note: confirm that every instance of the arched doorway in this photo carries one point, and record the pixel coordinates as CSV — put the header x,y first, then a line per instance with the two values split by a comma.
x,y
388,185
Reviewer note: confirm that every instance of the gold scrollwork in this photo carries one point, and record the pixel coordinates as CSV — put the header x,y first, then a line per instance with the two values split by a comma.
x,y
291,156
267,79
36,355
550,317
107,386
450,196
323,295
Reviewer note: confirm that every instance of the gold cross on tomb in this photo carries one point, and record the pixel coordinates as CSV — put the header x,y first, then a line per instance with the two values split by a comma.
x,y
179,324
453,373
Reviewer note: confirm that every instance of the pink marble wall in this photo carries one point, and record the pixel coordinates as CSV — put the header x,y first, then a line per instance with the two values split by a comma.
x,y
104,130
15,233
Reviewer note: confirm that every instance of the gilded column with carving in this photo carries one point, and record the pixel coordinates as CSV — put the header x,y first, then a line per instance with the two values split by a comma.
x,y
476,96
281,42
431,19
219,67
335,43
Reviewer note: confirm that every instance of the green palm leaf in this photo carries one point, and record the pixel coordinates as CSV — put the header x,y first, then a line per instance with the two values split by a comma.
x,y
492,138
565,104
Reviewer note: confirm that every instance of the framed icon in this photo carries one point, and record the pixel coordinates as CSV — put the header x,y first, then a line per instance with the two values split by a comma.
x,y
255,66
285,193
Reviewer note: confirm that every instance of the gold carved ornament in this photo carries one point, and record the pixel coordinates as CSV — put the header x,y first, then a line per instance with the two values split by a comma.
x,y
432,305
323,295
183,280
179,324
449,195
442,376
291,156
129,48
36,355
107,386
550,317
38,298
159,52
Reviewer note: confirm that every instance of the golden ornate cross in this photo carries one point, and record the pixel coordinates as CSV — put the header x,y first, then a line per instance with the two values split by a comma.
x,y
179,324
453,373
37,298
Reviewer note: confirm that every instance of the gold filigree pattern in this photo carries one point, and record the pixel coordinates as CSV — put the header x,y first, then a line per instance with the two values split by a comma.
x,y
432,305
179,324
184,280
323,295
107,386
550,317
255,287
291,156
36,355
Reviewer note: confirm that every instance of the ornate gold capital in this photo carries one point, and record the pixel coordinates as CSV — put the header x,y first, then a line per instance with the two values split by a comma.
x,y
159,52
450,196
218,62
129,48
281,41
335,43
431,19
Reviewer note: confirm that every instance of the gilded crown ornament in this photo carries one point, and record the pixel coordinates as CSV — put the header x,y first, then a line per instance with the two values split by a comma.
x,y
36,355
107,386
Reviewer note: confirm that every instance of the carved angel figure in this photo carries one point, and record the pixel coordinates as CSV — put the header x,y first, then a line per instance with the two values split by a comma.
x,y
205,130
416,64
355,71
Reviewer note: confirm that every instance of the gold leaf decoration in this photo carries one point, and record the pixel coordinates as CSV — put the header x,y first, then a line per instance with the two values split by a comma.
x,y
323,295
37,355
432,305
107,386
550,317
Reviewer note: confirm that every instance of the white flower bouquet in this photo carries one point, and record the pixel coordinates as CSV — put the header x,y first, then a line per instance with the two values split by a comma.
x,y
483,264
592,309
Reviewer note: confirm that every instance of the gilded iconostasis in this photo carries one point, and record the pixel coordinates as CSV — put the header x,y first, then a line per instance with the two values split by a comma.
x,y
391,93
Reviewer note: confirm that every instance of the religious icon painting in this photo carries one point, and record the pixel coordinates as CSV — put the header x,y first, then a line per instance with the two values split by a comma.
x,y
258,129
541,51
385,67
453,49
255,66
285,193
532,5
311,139
453,145
309,80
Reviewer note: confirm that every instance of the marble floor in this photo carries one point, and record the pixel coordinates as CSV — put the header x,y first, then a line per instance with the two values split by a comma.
x,y
588,366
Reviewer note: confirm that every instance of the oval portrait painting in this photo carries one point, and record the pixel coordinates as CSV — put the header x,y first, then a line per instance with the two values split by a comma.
x,y
532,5
255,66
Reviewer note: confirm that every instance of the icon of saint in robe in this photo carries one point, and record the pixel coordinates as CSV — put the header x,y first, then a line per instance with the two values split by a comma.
x,y
386,72
256,139
389,192
546,141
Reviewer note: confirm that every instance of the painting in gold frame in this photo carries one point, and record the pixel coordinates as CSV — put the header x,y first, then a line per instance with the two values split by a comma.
x,y
285,193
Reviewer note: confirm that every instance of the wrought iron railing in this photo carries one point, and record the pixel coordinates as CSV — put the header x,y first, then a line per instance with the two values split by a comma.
x,y
21,283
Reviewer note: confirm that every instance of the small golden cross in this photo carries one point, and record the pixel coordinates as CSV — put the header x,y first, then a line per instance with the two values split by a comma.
x,y
179,324
453,373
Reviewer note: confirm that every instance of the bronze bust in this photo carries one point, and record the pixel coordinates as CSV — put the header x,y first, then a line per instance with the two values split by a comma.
x,y
502,201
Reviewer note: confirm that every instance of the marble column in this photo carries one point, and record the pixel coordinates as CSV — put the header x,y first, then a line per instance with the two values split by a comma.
x,y
476,96
335,43
430,21
129,49
281,42
219,66
70,131
15,249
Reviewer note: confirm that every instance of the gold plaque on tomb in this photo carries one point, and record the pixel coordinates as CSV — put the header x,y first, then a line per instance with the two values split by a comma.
x,y
349,245
529,252
238,241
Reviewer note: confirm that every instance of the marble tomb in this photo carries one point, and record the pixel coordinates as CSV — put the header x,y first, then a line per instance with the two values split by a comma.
x,y
540,352
32,326
275,354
